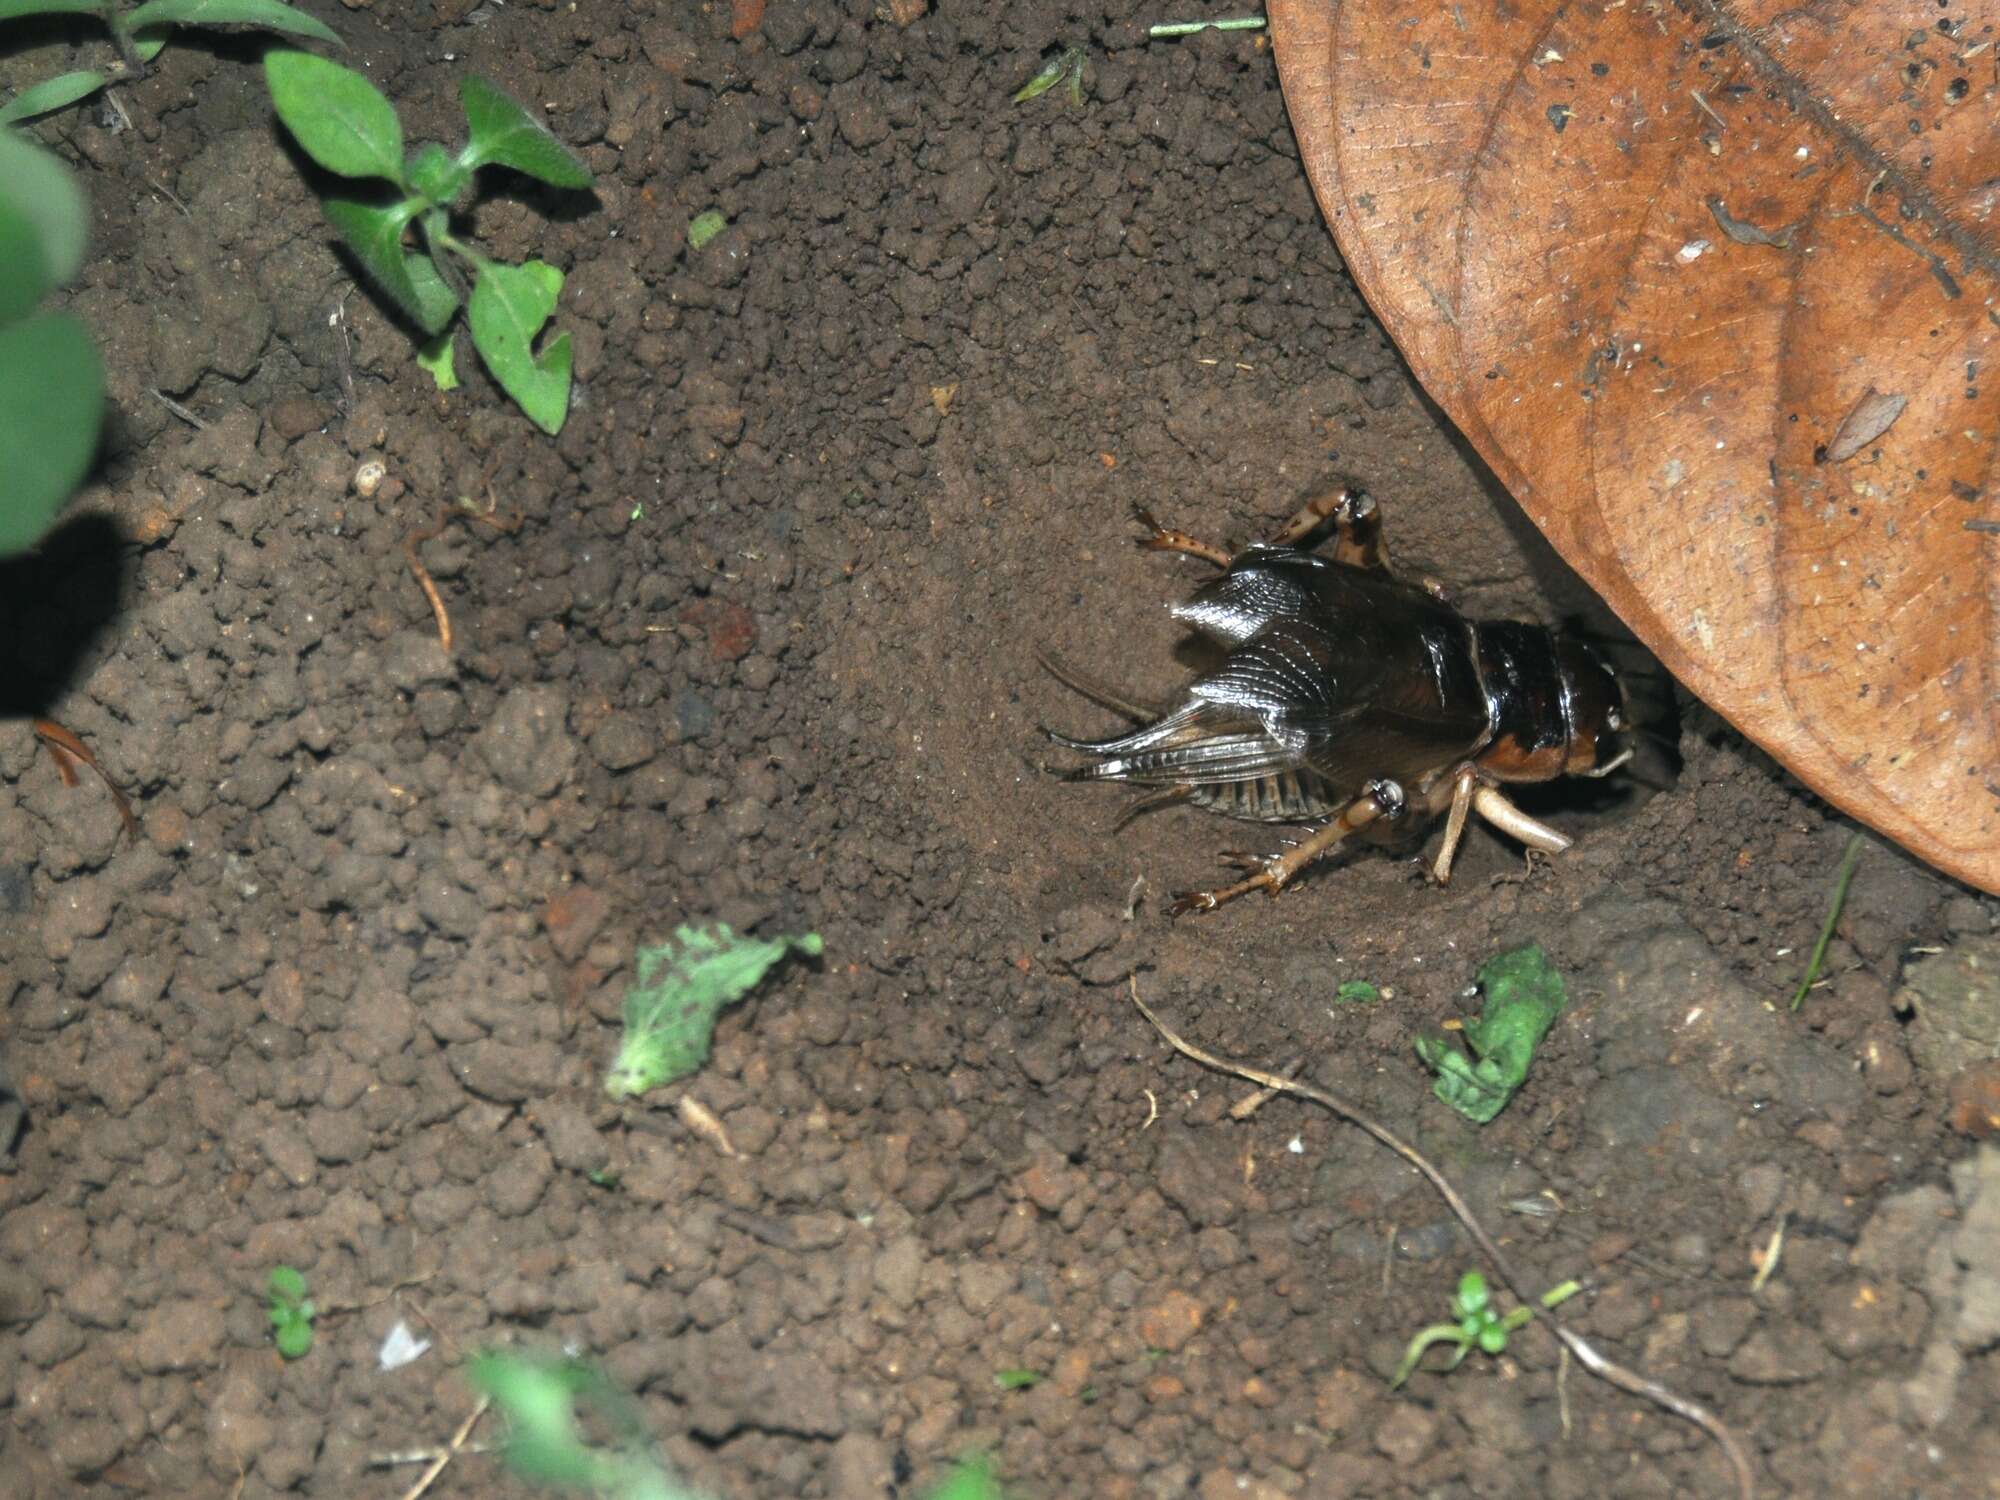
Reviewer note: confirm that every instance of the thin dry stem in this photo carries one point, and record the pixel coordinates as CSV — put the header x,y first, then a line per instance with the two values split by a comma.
x,y
429,1476
1607,1370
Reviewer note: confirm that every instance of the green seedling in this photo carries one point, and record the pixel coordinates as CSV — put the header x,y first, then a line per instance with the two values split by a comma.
x,y
1357,992
291,1312
1848,859
682,987
542,1401
51,379
1017,1380
972,1479
1524,995
705,227
1066,64
139,34
1476,1324
343,122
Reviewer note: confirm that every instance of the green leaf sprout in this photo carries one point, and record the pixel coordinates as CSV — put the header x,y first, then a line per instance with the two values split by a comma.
x,y
291,1312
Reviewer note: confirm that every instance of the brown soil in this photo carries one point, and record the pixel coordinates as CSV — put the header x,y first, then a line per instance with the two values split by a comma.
x,y
762,650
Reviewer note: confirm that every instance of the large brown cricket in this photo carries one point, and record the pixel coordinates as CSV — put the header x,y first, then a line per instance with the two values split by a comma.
x,y
1356,700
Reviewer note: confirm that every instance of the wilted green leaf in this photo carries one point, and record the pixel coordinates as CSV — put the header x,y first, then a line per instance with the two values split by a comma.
x,y
337,116
375,235
505,134
1524,995
51,94
51,411
508,308
269,14
681,987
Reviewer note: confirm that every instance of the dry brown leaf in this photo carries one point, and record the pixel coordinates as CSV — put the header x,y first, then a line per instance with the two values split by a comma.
x,y
1712,287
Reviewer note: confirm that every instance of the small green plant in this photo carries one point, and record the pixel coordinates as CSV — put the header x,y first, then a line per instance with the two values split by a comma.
x,y
970,1479
343,122
1524,995
1357,992
682,986
1017,1380
1849,857
291,1312
1067,63
1476,1324
51,379
139,34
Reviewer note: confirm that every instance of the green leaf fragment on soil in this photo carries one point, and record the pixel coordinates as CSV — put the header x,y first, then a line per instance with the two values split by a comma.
x,y
971,1480
682,987
1524,995
705,228
1357,992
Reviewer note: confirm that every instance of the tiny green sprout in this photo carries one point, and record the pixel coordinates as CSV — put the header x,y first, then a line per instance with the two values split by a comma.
x,y
638,511
1476,1324
1065,64
1017,1380
1842,879
971,1479
603,1177
138,35
1357,992
343,122
705,228
291,1312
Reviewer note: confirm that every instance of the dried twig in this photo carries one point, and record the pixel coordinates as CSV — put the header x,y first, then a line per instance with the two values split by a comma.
x,y
1607,1370
437,1465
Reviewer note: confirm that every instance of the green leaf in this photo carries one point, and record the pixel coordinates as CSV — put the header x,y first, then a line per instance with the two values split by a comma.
x,y
508,307
41,187
152,44
14,9
338,117
437,360
681,987
705,228
51,411
505,134
436,174
971,1480
1524,995
1017,1380
293,1333
268,14
51,94
1069,61
1357,992
287,1285
375,235
24,267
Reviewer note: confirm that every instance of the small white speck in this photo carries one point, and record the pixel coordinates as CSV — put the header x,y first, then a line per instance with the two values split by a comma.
x,y
1693,250
1296,1146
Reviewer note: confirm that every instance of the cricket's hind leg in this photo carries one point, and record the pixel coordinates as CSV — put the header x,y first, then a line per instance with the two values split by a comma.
x,y
1160,538
1384,799
1356,520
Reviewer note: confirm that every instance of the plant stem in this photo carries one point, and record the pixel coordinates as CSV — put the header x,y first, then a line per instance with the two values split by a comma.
x,y
1847,862
1189,28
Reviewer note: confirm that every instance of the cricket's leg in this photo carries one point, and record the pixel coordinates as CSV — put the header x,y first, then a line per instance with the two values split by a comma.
x,y
1356,520
1383,799
1160,539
